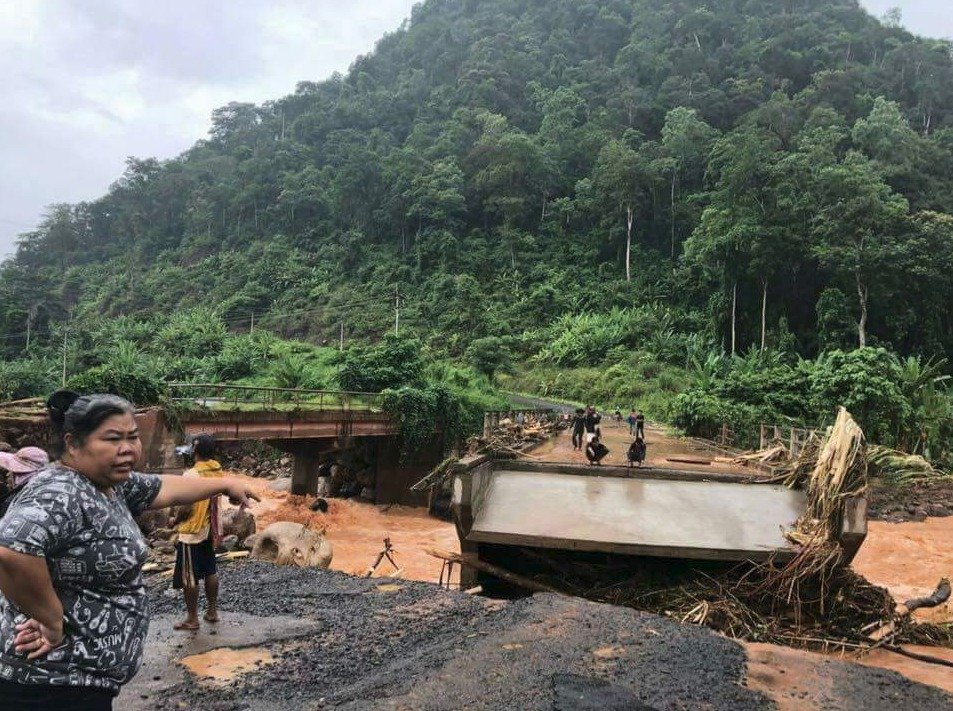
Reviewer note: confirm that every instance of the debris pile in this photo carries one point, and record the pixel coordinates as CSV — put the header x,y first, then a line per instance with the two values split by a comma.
x,y
24,423
508,440
901,468
512,438
272,465
774,454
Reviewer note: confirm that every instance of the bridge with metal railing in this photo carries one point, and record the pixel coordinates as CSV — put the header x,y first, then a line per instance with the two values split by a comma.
x,y
238,412
308,424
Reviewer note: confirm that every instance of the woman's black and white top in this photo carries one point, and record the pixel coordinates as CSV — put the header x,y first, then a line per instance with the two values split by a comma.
x,y
95,552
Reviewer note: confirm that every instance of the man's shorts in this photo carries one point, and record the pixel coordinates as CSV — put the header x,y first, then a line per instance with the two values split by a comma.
x,y
193,562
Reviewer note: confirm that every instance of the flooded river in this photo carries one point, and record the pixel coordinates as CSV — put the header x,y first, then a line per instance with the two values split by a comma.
x,y
357,531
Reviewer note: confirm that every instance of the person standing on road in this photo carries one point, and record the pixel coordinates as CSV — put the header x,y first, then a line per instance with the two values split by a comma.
x,y
631,420
640,425
578,427
199,533
592,421
73,607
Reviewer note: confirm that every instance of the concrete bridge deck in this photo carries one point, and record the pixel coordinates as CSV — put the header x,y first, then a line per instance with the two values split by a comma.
x,y
650,512
238,425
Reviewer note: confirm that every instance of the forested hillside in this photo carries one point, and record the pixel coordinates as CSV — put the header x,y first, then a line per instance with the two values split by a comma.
x,y
567,181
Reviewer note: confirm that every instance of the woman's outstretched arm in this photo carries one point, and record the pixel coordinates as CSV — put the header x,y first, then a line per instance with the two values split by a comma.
x,y
179,491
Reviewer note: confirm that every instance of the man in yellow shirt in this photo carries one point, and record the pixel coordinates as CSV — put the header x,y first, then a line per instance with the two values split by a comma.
x,y
199,533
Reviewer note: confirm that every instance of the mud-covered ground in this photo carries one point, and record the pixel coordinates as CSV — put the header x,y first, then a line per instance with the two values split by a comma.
x,y
914,502
401,645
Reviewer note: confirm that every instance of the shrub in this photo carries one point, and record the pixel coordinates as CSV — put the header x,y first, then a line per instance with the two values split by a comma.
x,y
199,333
420,413
138,387
868,382
585,339
394,363
241,357
26,378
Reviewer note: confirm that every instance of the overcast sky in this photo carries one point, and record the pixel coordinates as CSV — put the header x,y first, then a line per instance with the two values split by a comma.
x,y
86,83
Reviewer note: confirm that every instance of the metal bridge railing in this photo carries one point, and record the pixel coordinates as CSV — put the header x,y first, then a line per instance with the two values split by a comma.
x,y
238,397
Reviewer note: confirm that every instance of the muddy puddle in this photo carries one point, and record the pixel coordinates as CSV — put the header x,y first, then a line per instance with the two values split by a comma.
x,y
223,665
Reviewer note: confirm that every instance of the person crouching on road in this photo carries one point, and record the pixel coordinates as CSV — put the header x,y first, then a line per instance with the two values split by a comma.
x,y
74,613
596,451
199,533
636,453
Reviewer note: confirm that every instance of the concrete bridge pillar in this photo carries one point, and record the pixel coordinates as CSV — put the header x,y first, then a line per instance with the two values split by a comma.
x,y
304,473
305,459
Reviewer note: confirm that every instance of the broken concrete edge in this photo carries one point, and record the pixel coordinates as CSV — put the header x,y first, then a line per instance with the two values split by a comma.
x,y
853,526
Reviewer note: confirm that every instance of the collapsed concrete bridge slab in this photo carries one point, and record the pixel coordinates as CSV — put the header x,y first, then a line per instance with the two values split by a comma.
x,y
614,510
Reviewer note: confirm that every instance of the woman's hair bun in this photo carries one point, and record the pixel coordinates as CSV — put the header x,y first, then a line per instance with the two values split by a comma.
x,y
59,402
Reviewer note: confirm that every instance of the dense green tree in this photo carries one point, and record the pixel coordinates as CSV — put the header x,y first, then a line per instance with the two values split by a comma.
x,y
688,139
857,228
621,179
498,162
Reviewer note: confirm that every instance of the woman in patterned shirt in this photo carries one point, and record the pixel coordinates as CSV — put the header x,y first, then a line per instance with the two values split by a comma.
x,y
73,607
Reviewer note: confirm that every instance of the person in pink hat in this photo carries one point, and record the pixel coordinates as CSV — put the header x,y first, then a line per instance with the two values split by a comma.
x,y
24,463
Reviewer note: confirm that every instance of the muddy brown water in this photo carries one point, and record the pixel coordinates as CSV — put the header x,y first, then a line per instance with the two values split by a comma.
x,y
226,664
357,530
909,559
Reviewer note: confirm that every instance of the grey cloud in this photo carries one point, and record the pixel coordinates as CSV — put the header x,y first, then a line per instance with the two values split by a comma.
x,y
931,18
190,41
100,80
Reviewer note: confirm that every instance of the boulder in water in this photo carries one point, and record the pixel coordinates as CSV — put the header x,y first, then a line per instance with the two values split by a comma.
x,y
287,543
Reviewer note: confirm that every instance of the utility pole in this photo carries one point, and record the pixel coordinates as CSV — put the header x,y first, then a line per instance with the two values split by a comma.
x,y
341,345
252,322
30,317
396,313
65,332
